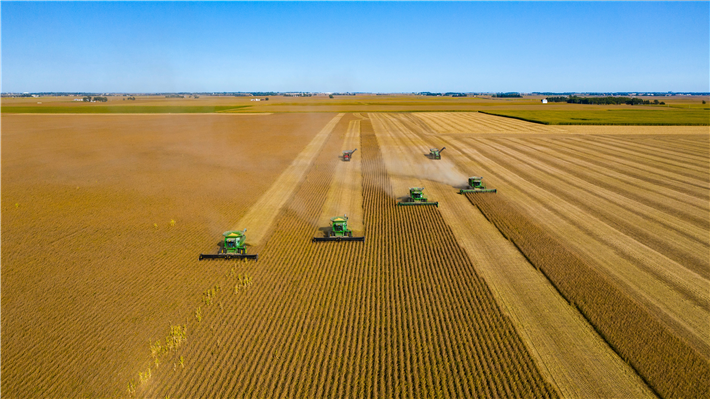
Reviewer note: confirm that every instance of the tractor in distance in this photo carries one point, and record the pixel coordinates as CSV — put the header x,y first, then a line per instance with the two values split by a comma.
x,y
234,247
475,185
339,231
348,154
417,197
435,153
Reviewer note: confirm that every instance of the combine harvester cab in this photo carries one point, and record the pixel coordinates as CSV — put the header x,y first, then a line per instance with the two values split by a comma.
x,y
417,197
339,231
477,186
347,155
234,247
435,153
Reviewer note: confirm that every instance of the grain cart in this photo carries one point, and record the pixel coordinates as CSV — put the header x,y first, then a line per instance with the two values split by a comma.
x,y
477,186
417,197
339,231
435,153
234,247
348,154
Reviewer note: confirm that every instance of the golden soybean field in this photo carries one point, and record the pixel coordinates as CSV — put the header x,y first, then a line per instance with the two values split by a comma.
x,y
586,274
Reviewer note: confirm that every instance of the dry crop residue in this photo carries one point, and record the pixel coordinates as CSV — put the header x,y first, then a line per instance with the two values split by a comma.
x,y
633,207
478,123
668,363
568,349
92,266
667,276
401,315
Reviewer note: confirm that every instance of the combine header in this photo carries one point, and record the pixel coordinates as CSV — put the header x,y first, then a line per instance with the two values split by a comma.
x,y
234,247
339,231
348,154
435,153
417,197
477,186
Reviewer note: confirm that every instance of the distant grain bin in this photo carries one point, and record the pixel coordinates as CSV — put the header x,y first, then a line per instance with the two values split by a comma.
x,y
544,101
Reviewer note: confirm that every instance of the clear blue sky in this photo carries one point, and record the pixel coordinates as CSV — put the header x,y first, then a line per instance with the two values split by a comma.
x,y
355,46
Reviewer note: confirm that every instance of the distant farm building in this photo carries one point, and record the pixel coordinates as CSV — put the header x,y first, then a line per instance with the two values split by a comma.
x,y
544,101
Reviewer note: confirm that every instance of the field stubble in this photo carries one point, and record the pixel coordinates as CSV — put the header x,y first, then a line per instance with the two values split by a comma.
x,y
401,315
566,347
92,266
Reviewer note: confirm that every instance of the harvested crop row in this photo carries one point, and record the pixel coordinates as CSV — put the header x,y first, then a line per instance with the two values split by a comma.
x,y
665,361
681,241
261,216
254,322
567,348
92,265
652,150
476,122
647,173
646,275
691,171
401,315
668,198
345,193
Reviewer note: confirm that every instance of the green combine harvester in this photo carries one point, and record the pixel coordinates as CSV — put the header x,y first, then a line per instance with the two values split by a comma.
x,y
435,153
339,231
477,186
234,247
417,197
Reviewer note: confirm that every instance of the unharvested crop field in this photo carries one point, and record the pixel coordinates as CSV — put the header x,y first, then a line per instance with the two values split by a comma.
x,y
586,275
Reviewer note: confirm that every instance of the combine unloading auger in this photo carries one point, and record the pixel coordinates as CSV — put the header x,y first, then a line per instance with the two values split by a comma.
x,y
435,153
348,154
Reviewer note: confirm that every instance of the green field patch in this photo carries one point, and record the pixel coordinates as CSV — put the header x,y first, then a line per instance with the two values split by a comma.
x,y
122,109
652,116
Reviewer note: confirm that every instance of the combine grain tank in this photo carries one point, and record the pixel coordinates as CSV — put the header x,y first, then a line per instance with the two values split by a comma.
x,y
417,197
234,247
339,231
475,185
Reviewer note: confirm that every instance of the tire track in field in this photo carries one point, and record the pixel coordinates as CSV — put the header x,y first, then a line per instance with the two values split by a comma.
x,y
646,149
690,207
639,172
691,210
693,147
660,162
684,243
647,275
